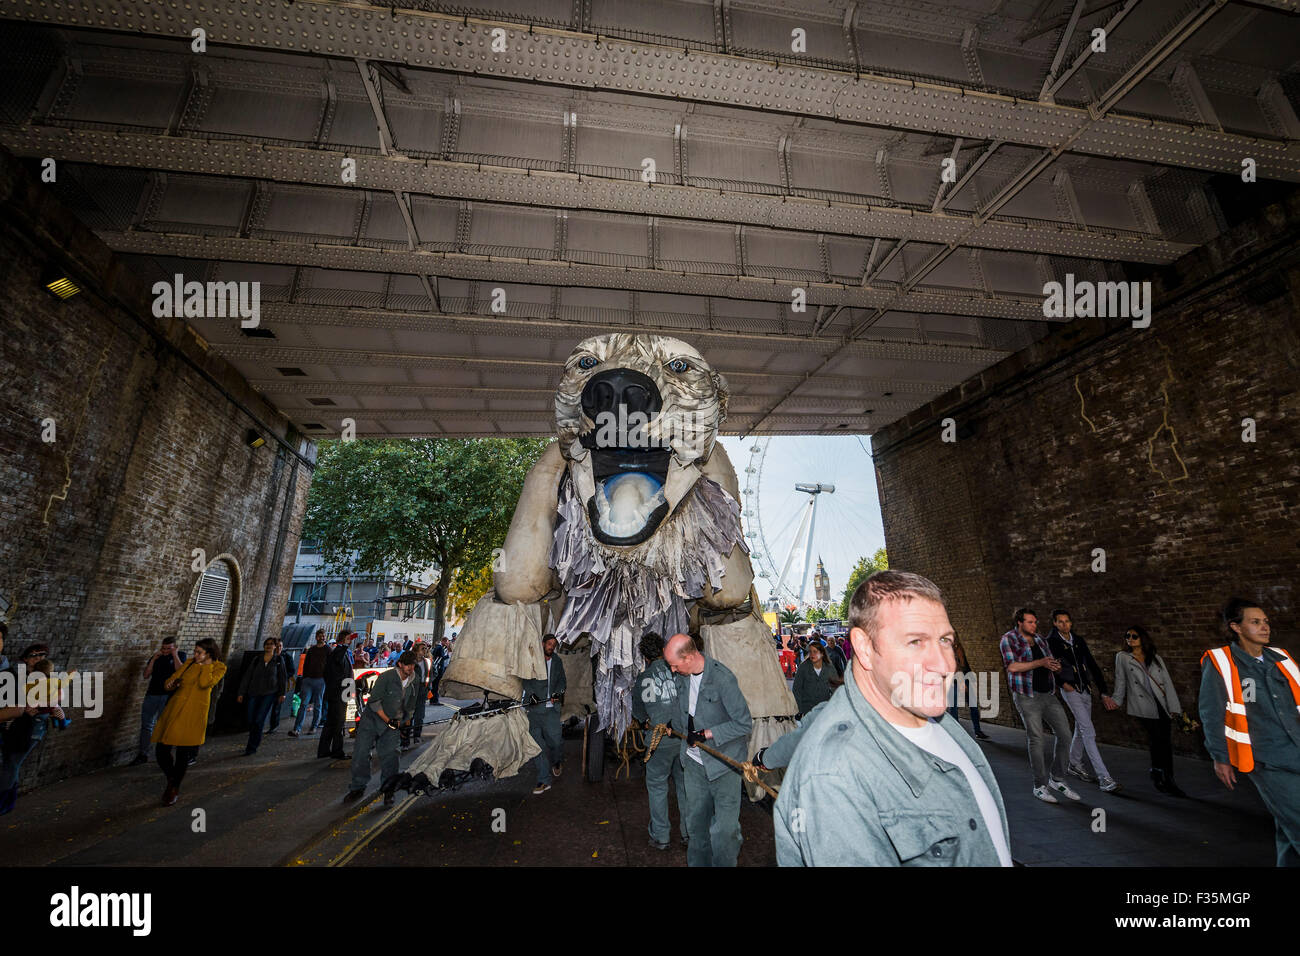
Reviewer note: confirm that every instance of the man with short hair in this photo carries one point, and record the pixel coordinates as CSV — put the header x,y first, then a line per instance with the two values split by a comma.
x,y
390,708
711,710
544,715
1250,712
654,701
885,776
313,684
1031,674
339,689
1078,677
161,665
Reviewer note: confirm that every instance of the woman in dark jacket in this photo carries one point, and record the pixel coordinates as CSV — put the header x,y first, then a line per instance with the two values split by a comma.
x,y
968,692
815,679
263,682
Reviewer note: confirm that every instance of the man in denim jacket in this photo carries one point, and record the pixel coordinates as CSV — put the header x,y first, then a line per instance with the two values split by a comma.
x,y
886,777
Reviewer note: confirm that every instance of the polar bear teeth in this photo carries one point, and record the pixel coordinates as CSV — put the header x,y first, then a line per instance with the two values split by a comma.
x,y
624,503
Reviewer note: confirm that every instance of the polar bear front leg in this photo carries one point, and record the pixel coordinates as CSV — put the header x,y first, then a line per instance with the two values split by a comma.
x,y
522,573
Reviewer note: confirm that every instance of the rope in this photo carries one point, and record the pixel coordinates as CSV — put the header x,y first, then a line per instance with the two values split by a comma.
x,y
747,769
632,744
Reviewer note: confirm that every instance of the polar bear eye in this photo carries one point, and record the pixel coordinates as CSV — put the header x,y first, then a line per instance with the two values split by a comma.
x,y
587,362
679,366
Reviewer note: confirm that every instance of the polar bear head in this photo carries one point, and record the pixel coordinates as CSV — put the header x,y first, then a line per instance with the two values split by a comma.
x,y
636,415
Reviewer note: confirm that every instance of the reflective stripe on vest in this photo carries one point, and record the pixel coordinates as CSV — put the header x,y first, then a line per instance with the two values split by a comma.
x,y
1235,730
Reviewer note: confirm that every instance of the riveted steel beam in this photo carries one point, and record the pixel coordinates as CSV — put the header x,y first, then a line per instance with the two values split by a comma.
x,y
583,192
569,274
461,44
313,316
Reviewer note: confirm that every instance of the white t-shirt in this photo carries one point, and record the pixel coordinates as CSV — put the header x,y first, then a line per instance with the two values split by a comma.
x,y
694,752
935,740
549,702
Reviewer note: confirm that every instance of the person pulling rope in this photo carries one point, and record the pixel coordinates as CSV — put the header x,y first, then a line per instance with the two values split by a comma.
x,y
747,769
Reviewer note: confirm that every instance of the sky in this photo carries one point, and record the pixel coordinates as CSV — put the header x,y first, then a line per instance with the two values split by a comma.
x,y
847,523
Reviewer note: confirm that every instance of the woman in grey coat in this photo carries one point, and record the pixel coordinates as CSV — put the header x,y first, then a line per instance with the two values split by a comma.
x,y
815,679
1145,689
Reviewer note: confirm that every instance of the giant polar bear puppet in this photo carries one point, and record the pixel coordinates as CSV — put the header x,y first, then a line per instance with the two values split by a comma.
x,y
622,529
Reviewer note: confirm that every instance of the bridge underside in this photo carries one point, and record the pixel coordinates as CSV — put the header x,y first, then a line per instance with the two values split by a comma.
x,y
850,208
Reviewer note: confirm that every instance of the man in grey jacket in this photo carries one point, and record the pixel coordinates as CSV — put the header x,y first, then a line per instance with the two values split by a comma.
x,y
710,709
544,716
654,701
391,706
885,776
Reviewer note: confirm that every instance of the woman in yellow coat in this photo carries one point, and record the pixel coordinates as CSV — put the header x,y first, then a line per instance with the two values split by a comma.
x,y
183,725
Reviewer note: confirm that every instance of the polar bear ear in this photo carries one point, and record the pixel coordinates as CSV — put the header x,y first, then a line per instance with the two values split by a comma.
x,y
724,392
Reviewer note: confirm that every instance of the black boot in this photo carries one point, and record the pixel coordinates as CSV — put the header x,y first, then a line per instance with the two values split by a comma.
x,y
1172,788
1158,778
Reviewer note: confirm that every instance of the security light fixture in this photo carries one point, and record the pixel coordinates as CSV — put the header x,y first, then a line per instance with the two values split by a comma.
x,y
253,439
61,287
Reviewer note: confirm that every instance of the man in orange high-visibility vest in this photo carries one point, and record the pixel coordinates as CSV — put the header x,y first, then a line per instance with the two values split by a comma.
x,y
1250,710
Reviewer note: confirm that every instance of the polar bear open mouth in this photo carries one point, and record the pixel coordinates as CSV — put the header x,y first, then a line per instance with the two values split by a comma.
x,y
629,502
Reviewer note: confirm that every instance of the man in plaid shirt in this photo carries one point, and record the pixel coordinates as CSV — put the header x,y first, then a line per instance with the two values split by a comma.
x,y
1031,670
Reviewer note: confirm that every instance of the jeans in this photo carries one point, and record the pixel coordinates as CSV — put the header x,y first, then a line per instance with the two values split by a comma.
x,y
276,703
13,759
173,766
544,724
258,707
313,689
974,709
1035,711
665,765
1085,737
712,816
150,710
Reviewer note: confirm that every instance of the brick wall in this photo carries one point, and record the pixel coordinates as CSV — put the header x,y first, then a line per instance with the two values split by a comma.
x,y
1106,436
150,441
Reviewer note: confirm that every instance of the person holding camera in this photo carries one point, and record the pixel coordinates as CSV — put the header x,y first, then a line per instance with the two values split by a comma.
x,y
157,671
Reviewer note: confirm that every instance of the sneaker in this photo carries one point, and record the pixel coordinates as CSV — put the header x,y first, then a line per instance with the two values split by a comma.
x,y
657,845
555,770
541,788
1063,789
980,735
1082,774
192,761
352,795
1110,785
1042,794
294,733
139,759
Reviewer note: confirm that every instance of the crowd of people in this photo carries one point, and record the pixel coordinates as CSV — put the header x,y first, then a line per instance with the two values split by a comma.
x,y
868,778
182,687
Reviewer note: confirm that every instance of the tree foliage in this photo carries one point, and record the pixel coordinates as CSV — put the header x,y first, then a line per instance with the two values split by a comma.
x,y
467,586
402,505
789,616
861,571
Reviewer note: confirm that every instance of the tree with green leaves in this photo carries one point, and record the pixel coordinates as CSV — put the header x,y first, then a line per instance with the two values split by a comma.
x,y
404,505
861,571
815,614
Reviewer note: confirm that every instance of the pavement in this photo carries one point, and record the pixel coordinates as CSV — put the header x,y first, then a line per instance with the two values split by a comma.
x,y
282,807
